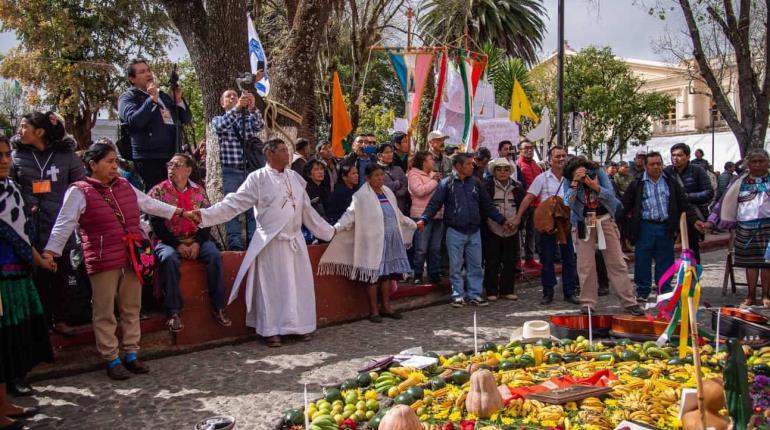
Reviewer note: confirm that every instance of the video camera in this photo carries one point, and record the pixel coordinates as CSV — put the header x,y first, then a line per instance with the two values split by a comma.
x,y
245,79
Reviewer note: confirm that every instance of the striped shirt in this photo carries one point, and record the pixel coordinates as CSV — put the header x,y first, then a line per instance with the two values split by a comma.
x,y
655,199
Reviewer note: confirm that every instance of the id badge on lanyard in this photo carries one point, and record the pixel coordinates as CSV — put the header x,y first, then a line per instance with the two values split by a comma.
x,y
41,187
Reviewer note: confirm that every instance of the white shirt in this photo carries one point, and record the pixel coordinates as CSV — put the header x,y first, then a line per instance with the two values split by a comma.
x,y
546,185
75,204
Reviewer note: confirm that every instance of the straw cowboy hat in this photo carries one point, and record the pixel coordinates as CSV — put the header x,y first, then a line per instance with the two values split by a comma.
x,y
499,162
535,329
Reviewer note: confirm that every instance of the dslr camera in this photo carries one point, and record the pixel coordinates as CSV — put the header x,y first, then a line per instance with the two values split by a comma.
x,y
245,81
591,167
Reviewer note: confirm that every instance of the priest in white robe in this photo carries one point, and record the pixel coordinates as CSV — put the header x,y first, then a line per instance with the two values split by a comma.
x,y
279,290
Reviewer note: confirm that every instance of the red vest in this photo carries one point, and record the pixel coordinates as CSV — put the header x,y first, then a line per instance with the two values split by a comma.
x,y
100,230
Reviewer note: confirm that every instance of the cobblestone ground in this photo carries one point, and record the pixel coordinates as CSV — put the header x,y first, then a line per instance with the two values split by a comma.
x,y
255,384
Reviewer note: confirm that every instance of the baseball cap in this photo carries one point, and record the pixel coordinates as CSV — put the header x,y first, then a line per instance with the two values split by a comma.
x,y
641,152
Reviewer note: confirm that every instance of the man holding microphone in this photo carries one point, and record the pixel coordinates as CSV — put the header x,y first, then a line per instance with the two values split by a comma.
x,y
151,119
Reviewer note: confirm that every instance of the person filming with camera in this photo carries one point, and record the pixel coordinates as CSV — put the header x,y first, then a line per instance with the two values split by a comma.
x,y
240,122
151,120
591,198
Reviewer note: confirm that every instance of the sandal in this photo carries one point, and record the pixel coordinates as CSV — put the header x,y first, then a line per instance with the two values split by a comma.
x,y
748,302
26,412
221,318
274,341
175,324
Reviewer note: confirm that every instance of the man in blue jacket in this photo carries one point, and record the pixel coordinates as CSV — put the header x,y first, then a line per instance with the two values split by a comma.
x,y
696,185
153,118
466,203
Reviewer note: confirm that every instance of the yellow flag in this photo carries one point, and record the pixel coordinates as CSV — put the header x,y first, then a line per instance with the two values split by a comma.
x,y
520,104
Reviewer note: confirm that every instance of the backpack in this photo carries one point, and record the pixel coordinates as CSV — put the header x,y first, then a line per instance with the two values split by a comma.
x,y
124,143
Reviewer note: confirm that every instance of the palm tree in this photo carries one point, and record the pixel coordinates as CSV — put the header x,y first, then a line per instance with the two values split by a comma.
x,y
513,25
502,70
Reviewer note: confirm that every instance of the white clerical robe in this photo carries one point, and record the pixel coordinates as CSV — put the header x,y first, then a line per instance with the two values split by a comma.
x,y
279,290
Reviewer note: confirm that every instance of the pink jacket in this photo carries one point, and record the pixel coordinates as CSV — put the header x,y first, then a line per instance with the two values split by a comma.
x,y
421,187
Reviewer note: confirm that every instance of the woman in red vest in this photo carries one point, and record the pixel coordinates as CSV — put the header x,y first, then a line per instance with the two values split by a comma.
x,y
107,207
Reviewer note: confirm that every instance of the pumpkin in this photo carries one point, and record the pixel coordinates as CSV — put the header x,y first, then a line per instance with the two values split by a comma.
x,y
713,402
400,417
483,398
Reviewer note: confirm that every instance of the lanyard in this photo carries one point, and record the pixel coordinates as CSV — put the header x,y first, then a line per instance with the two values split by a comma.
x,y
42,168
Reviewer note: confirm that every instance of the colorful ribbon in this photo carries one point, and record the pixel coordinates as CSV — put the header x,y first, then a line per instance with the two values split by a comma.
x,y
674,307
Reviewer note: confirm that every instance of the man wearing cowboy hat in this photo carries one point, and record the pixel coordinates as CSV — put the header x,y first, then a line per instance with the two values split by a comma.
x,y
501,246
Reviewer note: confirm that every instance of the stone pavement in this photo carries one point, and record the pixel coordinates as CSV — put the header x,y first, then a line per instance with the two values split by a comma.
x,y
256,384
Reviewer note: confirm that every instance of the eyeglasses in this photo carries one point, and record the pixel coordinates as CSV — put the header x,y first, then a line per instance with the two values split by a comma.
x,y
172,164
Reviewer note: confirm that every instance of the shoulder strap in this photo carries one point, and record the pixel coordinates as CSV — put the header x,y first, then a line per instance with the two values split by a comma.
x,y
111,203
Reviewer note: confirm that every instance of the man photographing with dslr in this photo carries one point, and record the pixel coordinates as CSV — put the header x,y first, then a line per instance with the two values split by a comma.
x,y
240,123
151,119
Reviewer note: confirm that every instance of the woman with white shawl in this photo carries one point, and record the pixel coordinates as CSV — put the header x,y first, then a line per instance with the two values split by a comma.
x,y
371,241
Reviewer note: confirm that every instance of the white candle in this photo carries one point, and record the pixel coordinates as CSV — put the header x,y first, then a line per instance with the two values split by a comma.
x,y
307,419
475,336
590,329
719,319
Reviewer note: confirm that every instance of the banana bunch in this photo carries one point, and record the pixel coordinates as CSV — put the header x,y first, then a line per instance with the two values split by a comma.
x,y
323,422
595,419
576,348
515,407
385,382
592,404
667,397
634,401
517,378
552,413
531,407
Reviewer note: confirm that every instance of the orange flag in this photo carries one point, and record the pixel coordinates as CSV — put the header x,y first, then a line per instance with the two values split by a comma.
x,y
341,125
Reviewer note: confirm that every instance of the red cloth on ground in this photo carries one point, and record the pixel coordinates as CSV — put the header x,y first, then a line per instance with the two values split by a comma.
x,y
598,379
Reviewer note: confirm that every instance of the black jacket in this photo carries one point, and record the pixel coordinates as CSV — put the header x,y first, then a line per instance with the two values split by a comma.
x,y
677,203
466,203
62,167
697,186
151,138
319,196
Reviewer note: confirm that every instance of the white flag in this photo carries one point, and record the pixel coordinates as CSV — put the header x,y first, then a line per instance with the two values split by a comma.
x,y
256,54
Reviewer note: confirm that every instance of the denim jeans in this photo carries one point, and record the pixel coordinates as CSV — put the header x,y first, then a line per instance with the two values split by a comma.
x,y
548,247
231,181
652,243
427,245
169,263
464,248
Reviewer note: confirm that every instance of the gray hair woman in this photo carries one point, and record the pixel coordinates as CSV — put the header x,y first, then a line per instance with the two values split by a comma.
x,y
745,207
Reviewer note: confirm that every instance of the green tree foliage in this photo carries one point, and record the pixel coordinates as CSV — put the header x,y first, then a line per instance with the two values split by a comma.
x,y
616,110
74,51
376,119
502,70
516,26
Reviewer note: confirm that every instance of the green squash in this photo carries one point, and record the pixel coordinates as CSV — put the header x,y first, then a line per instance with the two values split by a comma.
x,y
566,341
404,399
761,369
526,361
349,384
416,392
332,394
459,377
544,342
364,380
489,346
570,357
437,383
607,356
507,365
640,372
294,417
629,355
554,358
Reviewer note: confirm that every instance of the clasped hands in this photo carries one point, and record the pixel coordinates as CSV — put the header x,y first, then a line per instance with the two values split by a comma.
x,y
193,216
509,225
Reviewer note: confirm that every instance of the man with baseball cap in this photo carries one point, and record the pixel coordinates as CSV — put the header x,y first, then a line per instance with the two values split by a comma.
x,y
637,168
436,141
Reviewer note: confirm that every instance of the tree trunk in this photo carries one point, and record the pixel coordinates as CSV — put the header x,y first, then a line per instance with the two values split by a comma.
x,y
297,66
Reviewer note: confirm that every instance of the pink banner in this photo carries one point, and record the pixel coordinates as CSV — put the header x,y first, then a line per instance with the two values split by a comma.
x,y
422,66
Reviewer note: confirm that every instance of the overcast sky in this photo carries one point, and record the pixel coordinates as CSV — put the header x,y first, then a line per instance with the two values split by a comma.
x,y
620,24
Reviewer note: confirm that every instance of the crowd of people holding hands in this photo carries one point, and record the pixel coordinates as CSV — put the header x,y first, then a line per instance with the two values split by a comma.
x,y
388,214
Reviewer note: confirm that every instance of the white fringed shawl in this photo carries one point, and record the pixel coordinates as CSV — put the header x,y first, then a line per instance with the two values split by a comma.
x,y
357,248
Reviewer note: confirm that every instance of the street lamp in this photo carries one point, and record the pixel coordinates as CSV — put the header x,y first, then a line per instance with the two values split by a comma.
x,y
713,112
